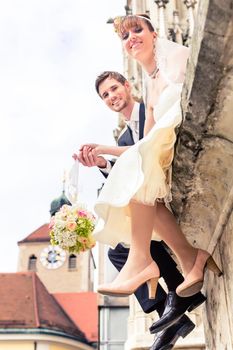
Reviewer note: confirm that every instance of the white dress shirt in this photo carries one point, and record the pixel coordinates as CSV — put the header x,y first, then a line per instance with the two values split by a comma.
x,y
133,123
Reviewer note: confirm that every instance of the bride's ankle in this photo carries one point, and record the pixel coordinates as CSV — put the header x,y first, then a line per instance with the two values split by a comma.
x,y
188,260
139,260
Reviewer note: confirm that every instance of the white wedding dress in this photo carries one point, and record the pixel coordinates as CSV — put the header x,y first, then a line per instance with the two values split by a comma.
x,y
142,173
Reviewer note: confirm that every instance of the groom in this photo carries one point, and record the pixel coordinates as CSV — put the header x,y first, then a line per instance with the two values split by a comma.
x,y
115,91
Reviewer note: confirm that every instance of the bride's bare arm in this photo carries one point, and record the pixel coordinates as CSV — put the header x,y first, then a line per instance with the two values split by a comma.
x,y
149,122
97,149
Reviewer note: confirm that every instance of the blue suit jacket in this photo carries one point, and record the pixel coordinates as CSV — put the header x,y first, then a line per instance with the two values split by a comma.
x,y
126,139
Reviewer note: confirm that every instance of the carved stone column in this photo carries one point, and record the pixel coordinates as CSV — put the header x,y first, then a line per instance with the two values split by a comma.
x,y
176,27
190,4
162,25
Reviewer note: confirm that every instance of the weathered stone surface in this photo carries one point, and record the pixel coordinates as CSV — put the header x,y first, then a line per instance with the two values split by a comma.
x,y
209,67
218,313
220,122
215,315
226,249
212,183
203,164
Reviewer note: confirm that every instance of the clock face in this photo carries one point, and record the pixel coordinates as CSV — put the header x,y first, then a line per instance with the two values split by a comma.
x,y
52,257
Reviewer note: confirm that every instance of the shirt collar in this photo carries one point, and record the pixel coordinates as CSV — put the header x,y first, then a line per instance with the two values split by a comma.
x,y
135,114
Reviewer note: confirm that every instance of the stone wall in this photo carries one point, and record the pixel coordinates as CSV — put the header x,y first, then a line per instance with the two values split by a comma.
x,y
203,164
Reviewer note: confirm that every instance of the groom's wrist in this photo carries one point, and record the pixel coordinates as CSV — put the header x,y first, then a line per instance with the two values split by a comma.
x,y
107,168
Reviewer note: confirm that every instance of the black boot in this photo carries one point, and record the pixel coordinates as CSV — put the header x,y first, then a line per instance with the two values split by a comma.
x,y
175,307
168,337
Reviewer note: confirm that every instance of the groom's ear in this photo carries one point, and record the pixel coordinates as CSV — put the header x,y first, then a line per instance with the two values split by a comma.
x,y
127,85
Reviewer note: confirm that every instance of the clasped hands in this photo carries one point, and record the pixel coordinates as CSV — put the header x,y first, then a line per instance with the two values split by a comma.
x,y
89,155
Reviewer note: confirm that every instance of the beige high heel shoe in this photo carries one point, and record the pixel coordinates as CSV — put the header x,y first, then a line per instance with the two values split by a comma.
x,y
193,282
150,275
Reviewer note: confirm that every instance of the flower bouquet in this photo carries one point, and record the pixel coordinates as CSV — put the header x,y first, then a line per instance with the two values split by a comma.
x,y
71,228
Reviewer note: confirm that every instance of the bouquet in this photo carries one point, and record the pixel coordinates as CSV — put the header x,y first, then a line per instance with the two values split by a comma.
x,y
71,228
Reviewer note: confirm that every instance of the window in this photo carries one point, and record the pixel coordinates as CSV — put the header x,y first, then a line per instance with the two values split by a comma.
x,y
72,265
113,325
32,263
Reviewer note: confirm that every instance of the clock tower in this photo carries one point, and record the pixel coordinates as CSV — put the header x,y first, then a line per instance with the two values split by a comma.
x,y
58,270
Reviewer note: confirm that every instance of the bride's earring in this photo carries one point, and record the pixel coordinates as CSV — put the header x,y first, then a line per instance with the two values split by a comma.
x,y
154,45
155,71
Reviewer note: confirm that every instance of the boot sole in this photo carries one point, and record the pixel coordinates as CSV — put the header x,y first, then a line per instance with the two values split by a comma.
x,y
183,332
162,327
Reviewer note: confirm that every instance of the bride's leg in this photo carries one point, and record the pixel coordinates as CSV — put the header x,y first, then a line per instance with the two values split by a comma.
x,y
142,223
193,261
139,267
171,233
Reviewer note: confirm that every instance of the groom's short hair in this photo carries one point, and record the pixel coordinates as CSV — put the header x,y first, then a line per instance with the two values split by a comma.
x,y
109,74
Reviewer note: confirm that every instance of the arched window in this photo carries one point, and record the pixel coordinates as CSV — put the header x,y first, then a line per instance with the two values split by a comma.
x,y
32,263
72,265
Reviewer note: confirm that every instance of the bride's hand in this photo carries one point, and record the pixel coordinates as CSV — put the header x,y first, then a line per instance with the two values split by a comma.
x,y
95,149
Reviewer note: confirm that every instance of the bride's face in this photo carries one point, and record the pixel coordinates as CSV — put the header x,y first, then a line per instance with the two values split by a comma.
x,y
138,41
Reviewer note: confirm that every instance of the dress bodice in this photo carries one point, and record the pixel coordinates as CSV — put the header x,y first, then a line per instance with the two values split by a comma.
x,y
169,96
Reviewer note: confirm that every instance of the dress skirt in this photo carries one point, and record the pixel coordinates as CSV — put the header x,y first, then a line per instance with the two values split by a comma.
x,y
142,173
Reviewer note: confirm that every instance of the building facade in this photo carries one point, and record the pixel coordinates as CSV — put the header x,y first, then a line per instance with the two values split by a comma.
x,y
49,304
58,270
113,312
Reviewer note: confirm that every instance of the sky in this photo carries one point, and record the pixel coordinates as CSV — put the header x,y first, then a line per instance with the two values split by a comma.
x,y
50,54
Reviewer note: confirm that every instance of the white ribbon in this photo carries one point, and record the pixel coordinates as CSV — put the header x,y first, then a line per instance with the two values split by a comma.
x,y
72,186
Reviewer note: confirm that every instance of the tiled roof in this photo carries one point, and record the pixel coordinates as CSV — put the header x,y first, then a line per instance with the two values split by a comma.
x,y
26,303
83,310
39,235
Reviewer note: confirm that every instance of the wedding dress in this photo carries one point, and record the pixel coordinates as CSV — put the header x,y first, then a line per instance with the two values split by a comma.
x,y
142,173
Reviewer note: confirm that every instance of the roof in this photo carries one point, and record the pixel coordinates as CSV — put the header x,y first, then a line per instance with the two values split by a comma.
x,y
83,310
25,303
39,235
57,203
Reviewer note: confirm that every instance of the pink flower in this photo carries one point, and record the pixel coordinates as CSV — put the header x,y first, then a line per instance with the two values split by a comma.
x,y
82,213
82,240
71,225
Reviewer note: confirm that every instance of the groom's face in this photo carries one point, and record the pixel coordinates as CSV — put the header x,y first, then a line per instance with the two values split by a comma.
x,y
115,94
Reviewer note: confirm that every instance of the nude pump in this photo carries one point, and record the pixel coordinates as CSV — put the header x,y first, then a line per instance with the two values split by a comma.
x,y
149,275
193,282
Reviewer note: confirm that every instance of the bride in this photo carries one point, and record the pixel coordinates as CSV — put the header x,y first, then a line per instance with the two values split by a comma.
x,y
141,176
